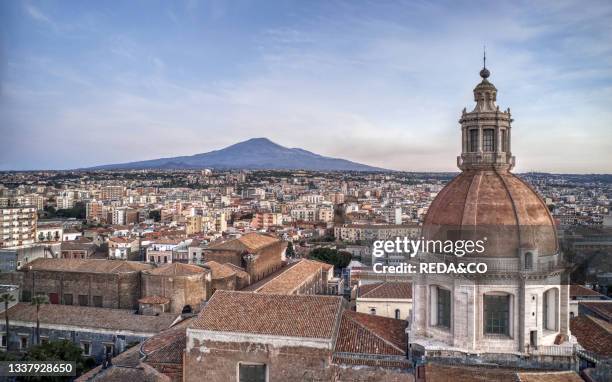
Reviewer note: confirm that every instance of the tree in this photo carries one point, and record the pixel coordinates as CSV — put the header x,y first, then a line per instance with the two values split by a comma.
x,y
338,259
290,251
7,298
38,301
59,351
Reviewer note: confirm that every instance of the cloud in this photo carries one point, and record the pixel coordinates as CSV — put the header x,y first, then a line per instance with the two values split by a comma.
x,y
383,84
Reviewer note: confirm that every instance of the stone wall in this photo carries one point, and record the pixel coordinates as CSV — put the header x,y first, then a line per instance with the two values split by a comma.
x,y
181,290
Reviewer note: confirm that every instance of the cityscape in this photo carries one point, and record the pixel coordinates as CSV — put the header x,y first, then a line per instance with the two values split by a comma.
x,y
125,256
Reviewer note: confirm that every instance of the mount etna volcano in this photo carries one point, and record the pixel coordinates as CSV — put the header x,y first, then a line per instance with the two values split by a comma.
x,y
255,154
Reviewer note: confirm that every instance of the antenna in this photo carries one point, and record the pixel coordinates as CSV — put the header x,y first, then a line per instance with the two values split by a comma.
x,y
484,56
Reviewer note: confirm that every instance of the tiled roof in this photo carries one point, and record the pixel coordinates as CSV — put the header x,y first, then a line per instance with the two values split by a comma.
x,y
582,291
550,376
77,246
369,334
167,346
395,290
283,315
601,308
177,269
255,286
459,373
86,265
251,242
593,334
374,362
287,282
219,271
90,317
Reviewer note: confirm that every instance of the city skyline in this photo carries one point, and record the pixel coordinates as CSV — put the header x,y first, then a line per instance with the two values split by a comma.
x,y
363,82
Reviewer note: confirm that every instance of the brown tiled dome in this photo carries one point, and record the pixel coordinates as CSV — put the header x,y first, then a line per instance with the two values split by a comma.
x,y
498,205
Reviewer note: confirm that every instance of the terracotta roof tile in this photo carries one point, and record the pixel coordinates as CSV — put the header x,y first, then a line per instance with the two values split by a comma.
x,y
87,265
582,291
219,271
90,317
250,242
288,282
395,290
177,269
593,334
284,315
550,376
601,308
368,334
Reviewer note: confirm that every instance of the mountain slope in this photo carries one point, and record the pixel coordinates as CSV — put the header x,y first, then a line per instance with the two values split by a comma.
x,y
256,153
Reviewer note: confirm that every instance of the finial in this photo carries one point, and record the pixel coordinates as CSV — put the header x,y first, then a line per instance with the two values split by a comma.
x,y
484,73
484,56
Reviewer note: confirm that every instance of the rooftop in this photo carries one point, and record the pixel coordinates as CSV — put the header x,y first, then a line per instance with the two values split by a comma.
x,y
90,317
86,265
177,269
250,242
289,281
368,334
386,290
582,291
593,334
282,315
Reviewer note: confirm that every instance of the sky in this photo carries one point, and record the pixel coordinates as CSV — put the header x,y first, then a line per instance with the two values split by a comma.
x,y
377,82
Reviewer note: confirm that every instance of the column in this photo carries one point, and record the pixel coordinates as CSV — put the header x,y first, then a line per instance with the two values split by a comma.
x,y
479,149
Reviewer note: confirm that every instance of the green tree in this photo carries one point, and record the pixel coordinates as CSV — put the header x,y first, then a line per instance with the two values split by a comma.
x,y
38,301
59,351
155,215
290,250
7,298
338,259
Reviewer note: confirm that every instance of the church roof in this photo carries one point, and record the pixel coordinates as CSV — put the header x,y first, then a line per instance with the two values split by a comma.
x,y
86,265
498,201
307,316
177,269
250,242
385,290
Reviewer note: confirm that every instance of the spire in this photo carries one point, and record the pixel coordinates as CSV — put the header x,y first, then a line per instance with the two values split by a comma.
x,y
484,73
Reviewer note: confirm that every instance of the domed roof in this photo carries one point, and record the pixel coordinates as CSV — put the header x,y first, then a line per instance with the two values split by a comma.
x,y
493,204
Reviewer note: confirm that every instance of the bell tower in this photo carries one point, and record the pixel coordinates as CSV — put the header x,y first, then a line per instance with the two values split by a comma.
x,y
485,131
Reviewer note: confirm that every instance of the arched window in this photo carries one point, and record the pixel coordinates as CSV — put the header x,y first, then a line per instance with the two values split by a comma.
x,y
550,309
372,310
397,314
528,261
496,314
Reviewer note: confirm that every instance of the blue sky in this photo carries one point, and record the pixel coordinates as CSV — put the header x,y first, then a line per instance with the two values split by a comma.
x,y
378,82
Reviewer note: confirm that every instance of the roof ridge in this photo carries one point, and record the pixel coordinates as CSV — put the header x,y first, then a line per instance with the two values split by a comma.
x,y
373,289
598,322
373,332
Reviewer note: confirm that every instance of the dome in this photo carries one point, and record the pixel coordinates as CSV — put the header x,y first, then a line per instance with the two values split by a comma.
x,y
498,205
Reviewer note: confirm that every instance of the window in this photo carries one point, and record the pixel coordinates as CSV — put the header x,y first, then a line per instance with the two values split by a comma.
x,y
528,261
549,311
4,340
108,349
97,301
372,310
473,140
86,346
23,342
68,299
488,140
444,307
504,138
251,372
496,314
397,314
26,296
83,300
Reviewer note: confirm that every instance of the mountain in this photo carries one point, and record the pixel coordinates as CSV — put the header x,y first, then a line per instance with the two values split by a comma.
x,y
256,153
